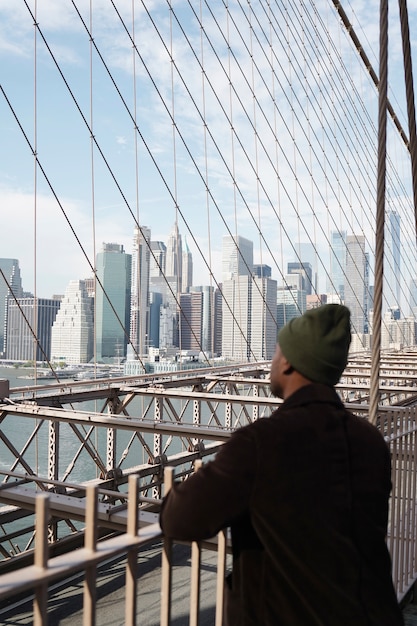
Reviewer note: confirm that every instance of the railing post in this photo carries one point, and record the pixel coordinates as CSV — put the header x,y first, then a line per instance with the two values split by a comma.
x,y
89,613
40,603
221,572
166,575
132,555
195,573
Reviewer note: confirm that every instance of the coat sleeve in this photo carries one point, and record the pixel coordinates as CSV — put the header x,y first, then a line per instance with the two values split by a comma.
x,y
213,497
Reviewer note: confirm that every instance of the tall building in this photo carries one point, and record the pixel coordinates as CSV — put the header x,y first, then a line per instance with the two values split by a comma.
x,y
237,257
29,327
187,268
237,268
209,321
139,304
337,270
357,282
413,298
291,302
236,312
191,327
392,262
112,301
73,329
173,262
304,270
10,285
263,331
157,260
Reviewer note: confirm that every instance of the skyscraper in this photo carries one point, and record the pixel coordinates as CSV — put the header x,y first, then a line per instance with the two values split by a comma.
x,y
10,285
356,284
191,327
237,257
187,268
157,260
72,331
139,307
392,262
263,331
337,270
29,327
173,266
305,270
112,301
237,267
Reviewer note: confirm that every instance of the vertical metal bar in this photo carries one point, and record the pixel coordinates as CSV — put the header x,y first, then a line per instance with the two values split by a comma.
x,y
221,572
157,439
195,583
166,575
53,464
40,603
195,573
90,579
132,555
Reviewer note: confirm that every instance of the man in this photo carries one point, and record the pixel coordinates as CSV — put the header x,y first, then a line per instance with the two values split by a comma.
x,y
305,493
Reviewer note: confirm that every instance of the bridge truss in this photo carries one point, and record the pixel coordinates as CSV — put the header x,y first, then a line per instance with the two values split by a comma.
x,y
61,438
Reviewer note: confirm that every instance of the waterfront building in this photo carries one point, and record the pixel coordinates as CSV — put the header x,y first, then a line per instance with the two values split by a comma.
x,y
29,327
139,302
73,331
10,286
397,333
112,301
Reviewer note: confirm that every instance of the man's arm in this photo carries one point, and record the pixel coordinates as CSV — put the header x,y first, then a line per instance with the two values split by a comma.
x,y
210,499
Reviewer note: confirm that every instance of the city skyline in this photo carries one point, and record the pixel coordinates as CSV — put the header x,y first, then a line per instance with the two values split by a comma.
x,y
158,177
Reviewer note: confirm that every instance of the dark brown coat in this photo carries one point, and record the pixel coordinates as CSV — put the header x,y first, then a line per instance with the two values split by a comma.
x,y
306,495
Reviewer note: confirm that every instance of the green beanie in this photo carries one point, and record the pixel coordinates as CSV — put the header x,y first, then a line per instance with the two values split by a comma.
x,y
317,343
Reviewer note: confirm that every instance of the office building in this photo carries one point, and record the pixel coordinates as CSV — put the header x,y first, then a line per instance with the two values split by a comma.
x,y
112,301
392,262
10,286
187,268
29,328
191,326
73,328
237,257
305,271
173,267
139,303
336,273
157,259
357,282
263,319
291,302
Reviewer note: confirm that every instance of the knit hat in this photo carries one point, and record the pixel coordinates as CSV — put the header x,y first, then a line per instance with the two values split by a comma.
x,y
317,343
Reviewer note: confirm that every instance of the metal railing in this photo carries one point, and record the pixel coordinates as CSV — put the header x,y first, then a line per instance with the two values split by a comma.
x,y
400,431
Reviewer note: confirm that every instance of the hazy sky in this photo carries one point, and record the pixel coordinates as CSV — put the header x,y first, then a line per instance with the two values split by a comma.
x,y
58,88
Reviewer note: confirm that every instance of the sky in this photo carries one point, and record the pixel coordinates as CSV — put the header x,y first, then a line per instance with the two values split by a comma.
x,y
127,127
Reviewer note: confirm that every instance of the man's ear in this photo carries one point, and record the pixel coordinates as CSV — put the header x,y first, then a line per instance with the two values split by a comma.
x,y
287,368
